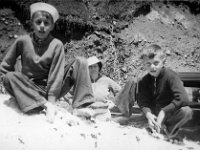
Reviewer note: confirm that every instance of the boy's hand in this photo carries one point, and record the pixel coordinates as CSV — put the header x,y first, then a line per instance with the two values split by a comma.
x,y
52,99
50,112
151,119
160,119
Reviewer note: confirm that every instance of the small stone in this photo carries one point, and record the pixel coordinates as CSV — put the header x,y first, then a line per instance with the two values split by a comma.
x,y
71,123
10,36
94,136
137,138
78,123
6,22
184,63
95,144
15,36
168,52
21,141
125,76
83,135
114,22
127,54
124,69
185,56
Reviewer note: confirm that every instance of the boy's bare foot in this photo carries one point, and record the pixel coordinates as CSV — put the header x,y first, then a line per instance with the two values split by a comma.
x,y
50,112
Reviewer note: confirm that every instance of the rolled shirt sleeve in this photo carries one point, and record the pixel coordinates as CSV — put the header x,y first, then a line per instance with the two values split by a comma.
x,y
180,97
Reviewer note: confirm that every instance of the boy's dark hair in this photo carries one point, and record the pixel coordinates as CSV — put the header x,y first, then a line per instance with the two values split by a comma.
x,y
44,13
151,51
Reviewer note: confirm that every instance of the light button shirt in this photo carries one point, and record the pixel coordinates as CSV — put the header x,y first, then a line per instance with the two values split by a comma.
x,y
104,87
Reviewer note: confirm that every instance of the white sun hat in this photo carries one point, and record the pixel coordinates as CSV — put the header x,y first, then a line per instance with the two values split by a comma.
x,y
94,60
40,6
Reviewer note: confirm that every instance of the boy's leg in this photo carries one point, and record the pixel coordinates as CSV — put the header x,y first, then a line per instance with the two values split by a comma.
x,y
77,75
26,94
175,121
126,97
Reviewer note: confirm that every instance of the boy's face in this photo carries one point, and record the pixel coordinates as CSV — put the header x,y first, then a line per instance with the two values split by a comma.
x,y
42,25
94,69
153,65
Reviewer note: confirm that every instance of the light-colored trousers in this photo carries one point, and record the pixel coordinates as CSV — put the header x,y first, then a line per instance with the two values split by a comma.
x,y
30,95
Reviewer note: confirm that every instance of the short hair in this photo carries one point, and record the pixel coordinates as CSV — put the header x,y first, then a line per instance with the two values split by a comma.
x,y
43,13
151,51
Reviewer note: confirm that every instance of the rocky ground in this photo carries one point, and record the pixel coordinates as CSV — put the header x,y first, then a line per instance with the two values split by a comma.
x,y
115,32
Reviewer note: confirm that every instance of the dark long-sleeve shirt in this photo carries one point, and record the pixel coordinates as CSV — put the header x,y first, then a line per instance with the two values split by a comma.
x,y
39,61
164,92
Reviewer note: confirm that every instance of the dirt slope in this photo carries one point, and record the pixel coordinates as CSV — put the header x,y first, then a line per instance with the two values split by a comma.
x,y
117,31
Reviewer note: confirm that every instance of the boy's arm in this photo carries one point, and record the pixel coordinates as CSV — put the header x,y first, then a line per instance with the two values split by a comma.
x,y
146,110
56,73
115,87
179,93
9,60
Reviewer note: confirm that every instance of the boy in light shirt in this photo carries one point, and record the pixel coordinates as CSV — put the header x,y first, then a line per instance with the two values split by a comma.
x,y
44,77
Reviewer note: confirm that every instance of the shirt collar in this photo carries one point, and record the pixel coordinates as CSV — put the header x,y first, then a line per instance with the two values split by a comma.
x,y
160,74
43,42
93,81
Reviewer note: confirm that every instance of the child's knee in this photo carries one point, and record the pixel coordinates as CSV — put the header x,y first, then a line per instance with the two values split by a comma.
x,y
82,61
187,111
9,76
132,80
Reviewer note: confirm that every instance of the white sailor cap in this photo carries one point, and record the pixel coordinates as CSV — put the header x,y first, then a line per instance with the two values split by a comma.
x,y
40,6
94,60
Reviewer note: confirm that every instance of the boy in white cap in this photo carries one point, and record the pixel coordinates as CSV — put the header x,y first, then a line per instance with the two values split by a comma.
x,y
43,77
102,85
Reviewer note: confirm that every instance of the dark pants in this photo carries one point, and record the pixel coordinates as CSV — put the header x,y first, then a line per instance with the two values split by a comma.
x,y
30,95
174,121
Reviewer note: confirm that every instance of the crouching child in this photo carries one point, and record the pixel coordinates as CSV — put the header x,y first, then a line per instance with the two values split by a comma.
x,y
162,96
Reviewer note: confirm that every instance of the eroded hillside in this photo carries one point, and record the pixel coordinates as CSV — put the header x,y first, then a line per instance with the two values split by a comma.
x,y
116,31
